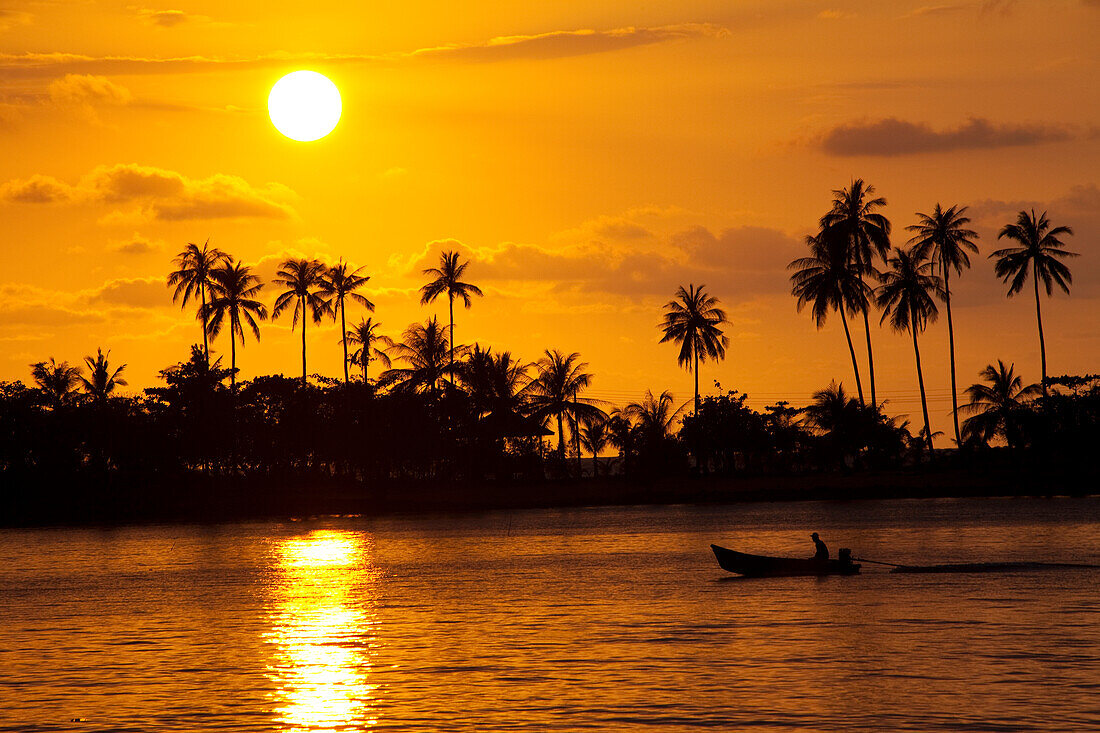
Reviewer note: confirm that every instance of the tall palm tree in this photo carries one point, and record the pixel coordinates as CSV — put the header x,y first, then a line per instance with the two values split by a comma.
x,y
694,321
655,416
303,280
340,285
424,348
195,267
365,335
447,280
234,289
995,409
1040,248
103,381
58,381
828,280
906,297
943,237
855,219
554,392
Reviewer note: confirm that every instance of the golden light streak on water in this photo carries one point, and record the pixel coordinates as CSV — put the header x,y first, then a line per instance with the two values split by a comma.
x,y
322,629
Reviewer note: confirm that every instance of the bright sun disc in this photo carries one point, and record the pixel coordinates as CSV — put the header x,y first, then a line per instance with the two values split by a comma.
x,y
304,105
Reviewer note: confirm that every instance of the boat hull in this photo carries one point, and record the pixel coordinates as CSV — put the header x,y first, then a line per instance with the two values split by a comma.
x,y
761,566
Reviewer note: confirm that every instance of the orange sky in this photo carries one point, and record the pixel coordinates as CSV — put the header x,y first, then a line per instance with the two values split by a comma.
x,y
589,157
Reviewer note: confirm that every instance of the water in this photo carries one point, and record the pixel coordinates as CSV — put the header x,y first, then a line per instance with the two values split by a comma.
x,y
586,619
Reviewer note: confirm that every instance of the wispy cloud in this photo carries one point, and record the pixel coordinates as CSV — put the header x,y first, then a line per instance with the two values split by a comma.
x,y
891,137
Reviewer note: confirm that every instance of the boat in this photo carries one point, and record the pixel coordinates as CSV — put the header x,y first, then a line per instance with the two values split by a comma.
x,y
762,566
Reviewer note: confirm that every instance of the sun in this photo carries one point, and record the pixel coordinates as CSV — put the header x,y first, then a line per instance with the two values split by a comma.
x,y
304,105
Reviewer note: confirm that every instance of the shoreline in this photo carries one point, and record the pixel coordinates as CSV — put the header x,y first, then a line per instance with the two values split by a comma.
x,y
213,500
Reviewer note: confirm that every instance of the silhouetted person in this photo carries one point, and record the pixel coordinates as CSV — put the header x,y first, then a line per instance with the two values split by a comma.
x,y
822,552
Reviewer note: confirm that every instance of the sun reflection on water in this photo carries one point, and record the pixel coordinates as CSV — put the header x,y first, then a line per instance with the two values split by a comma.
x,y
323,619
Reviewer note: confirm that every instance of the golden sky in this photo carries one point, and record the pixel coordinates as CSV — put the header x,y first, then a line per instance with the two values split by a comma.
x,y
588,157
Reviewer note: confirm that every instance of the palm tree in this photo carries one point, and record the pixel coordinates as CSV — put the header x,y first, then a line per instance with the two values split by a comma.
x,y
58,381
854,220
103,381
303,281
828,280
594,438
341,285
496,383
655,416
995,409
833,411
364,334
944,238
234,289
555,389
1041,248
196,266
693,320
424,348
447,281
906,297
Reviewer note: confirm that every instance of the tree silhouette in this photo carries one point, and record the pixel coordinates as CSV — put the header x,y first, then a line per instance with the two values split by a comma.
x,y
58,381
942,236
1040,248
693,320
654,416
195,267
364,335
339,285
496,383
554,392
594,438
424,348
829,280
234,289
447,280
996,408
102,381
303,280
855,220
906,297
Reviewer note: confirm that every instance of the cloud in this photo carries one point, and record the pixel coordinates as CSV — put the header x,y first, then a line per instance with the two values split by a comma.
x,y
834,15
88,89
136,292
12,18
551,45
163,18
160,194
891,137
136,245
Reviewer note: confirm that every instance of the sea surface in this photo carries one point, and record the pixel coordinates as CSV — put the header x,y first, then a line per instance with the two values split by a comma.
x,y
599,619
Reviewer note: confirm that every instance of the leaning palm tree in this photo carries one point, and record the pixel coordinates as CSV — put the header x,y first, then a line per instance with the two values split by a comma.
x,y
555,391
828,280
340,285
234,289
195,267
303,280
694,321
423,349
995,408
655,416
447,280
58,380
906,297
365,335
943,237
855,220
1040,248
103,381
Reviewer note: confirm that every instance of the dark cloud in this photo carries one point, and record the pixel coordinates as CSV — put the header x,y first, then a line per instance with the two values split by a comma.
x,y
891,136
138,292
158,194
163,18
136,245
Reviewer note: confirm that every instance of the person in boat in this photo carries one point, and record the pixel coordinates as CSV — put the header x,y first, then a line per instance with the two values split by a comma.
x,y
822,551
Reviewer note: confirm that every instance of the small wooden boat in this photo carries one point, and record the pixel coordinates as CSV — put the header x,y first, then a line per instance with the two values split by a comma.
x,y
761,566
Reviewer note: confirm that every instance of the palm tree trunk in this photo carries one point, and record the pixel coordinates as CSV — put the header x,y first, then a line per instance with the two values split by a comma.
x,y
696,381
920,381
951,347
870,357
344,338
232,358
205,341
1039,318
451,310
852,351
561,439
304,319
366,360
577,435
